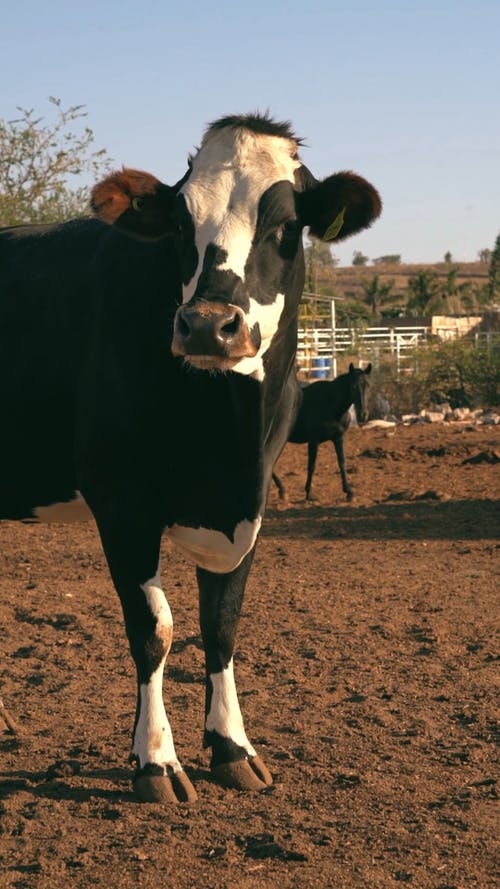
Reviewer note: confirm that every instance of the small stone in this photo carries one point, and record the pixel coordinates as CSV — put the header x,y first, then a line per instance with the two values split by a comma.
x,y
63,769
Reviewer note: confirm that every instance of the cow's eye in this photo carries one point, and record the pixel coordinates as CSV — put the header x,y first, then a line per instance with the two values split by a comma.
x,y
285,231
290,231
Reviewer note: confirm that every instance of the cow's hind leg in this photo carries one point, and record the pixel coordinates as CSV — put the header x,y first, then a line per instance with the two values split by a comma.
x,y
234,762
132,550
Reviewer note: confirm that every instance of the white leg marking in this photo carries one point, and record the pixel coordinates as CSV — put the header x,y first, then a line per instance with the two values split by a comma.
x,y
213,550
153,741
225,715
75,510
159,607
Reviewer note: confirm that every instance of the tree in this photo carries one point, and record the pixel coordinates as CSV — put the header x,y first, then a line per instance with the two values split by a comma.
x,y
376,293
448,257
449,291
36,160
484,255
389,259
494,272
424,292
351,314
359,258
319,259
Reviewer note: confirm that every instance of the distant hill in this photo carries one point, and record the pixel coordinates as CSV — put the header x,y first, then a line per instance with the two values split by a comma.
x,y
347,280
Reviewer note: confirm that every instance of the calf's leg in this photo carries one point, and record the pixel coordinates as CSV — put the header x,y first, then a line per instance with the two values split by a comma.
x,y
234,762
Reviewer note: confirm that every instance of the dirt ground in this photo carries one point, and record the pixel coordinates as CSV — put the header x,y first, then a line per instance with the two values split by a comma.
x,y
366,667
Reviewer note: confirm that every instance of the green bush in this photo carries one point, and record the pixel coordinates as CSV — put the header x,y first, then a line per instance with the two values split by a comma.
x,y
37,158
458,373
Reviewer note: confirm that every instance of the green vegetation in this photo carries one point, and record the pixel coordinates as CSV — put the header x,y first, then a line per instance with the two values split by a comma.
x,y
319,263
494,272
456,372
396,289
359,258
450,288
376,293
389,259
484,255
36,160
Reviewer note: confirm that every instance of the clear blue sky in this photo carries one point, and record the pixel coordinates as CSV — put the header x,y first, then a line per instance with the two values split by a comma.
x,y
405,93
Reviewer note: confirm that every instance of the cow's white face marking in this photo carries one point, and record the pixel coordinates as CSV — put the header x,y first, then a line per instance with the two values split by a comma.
x,y
153,741
230,173
212,549
268,319
75,510
225,715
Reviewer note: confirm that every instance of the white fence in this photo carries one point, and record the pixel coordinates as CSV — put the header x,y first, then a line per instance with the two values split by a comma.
x,y
319,347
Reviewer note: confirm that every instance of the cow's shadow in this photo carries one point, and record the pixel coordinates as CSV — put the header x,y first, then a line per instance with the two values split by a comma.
x,y
36,784
425,519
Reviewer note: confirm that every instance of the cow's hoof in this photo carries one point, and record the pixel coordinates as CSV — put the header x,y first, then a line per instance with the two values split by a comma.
x,y
244,774
156,788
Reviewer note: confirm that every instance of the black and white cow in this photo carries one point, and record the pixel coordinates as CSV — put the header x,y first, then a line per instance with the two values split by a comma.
x,y
147,375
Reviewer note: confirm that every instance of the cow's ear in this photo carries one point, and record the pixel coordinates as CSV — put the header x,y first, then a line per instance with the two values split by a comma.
x,y
136,203
338,207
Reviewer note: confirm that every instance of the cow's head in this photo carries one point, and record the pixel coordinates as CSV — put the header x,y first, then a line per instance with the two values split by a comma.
x,y
237,217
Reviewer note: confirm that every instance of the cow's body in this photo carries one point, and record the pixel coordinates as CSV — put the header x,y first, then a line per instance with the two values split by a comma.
x,y
148,376
45,316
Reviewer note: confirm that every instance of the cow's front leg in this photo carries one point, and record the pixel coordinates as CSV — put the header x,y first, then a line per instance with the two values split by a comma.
x,y
132,552
234,762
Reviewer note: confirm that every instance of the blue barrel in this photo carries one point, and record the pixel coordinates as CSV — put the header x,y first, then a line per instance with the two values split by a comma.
x,y
320,368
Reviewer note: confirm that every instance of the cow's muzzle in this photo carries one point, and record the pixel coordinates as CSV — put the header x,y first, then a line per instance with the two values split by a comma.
x,y
212,335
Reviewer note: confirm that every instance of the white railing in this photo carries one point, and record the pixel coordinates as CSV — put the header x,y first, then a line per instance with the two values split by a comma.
x,y
319,347
489,339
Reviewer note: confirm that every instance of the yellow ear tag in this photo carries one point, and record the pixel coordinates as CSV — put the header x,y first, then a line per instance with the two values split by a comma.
x,y
136,204
333,229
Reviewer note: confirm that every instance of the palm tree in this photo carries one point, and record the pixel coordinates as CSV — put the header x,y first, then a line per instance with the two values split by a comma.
x,y
494,271
376,293
424,290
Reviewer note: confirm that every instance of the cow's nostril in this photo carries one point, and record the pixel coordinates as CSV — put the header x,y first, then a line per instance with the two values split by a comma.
x,y
232,327
212,329
183,327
